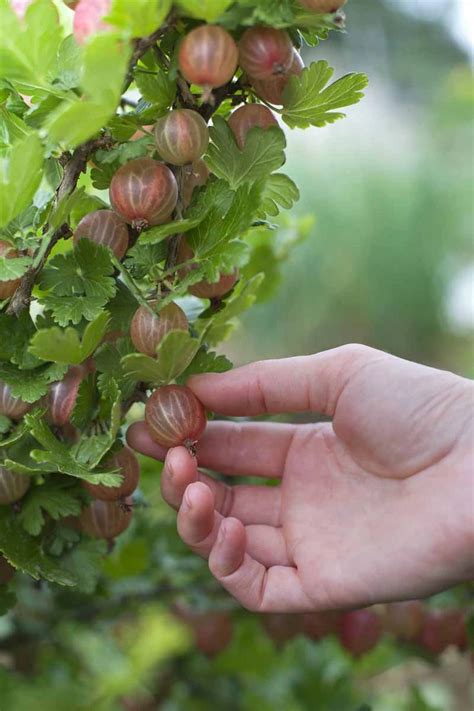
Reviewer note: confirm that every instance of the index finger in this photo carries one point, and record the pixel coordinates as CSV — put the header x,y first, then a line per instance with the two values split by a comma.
x,y
301,384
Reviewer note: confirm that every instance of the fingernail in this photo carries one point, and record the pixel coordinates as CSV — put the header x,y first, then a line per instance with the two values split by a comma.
x,y
187,499
169,470
222,533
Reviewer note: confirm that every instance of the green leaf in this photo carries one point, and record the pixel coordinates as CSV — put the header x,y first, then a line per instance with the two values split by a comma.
x,y
66,346
263,153
7,600
13,268
85,404
31,385
26,554
140,17
208,10
84,562
206,362
72,309
56,499
87,269
156,87
5,424
309,102
174,354
279,192
21,177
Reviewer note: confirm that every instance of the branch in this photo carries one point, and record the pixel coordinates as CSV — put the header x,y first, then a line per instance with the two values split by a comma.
x,y
141,47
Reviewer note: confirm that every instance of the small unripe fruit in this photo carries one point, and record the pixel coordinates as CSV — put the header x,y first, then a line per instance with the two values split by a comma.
x,y
8,288
126,462
208,57
10,406
147,330
7,571
104,227
265,53
88,18
175,417
63,395
404,619
106,519
182,136
271,90
12,486
195,175
361,631
212,631
323,6
144,192
248,117
205,289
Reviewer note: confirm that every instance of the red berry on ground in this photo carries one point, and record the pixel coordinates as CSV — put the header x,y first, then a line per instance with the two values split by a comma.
x,y
104,227
245,118
182,136
175,417
265,53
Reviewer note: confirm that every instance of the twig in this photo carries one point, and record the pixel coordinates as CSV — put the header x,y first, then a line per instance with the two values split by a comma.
x,y
175,241
141,47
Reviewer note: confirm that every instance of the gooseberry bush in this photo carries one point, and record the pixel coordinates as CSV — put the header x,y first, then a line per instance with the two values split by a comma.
x,y
141,214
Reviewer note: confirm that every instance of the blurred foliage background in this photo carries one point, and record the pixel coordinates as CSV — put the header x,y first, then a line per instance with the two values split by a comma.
x,y
387,262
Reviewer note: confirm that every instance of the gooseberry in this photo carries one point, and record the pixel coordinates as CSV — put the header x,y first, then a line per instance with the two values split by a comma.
x,y
271,90
265,53
8,288
12,407
126,462
7,571
63,395
281,627
360,631
106,519
148,329
13,486
104,227
208,57
144,192
212,631
88,18
248,117
442,628
181,136
195,175
317,625
205,289
323,6
174,416
404,619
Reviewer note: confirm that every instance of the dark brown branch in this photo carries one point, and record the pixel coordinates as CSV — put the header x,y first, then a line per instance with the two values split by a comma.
x,y
141,47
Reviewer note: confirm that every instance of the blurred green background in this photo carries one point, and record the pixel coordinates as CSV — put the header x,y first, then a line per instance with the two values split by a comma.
x,y
389,261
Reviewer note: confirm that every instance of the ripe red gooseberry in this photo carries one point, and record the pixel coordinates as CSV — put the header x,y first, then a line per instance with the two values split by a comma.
x,y
7,571
323,6
104,227
404,619
205,289
248,117
175,417
208,57
195,175
63,395
8,288
265,53
442,628
106,519
88,18
148,329
144,192
281,627
317,625
12,486
181,136
12,407
360,631
126,462
271,90
212,631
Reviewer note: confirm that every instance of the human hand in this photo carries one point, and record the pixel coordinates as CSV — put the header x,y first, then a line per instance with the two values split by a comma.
x,y
375,506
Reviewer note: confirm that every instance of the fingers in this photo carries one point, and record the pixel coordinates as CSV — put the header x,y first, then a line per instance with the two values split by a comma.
x,y
257,587
246,449
306,383
198,525
251,504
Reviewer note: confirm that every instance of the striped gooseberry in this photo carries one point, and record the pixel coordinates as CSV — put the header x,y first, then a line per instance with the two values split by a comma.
x,y
88,18
195,175
181,136
126,462
208,57
13,486
265,53
205,289
104,227
174,416
323,6
8,288
7,571
12,407
271,90
404,619
360,631
148,329
247,117
63,395
106,519
144,192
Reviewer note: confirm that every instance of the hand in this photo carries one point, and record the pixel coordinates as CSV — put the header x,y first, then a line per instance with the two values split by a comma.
x,y
373,507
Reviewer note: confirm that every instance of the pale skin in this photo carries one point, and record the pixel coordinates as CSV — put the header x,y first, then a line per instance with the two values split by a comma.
x,y
374,506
